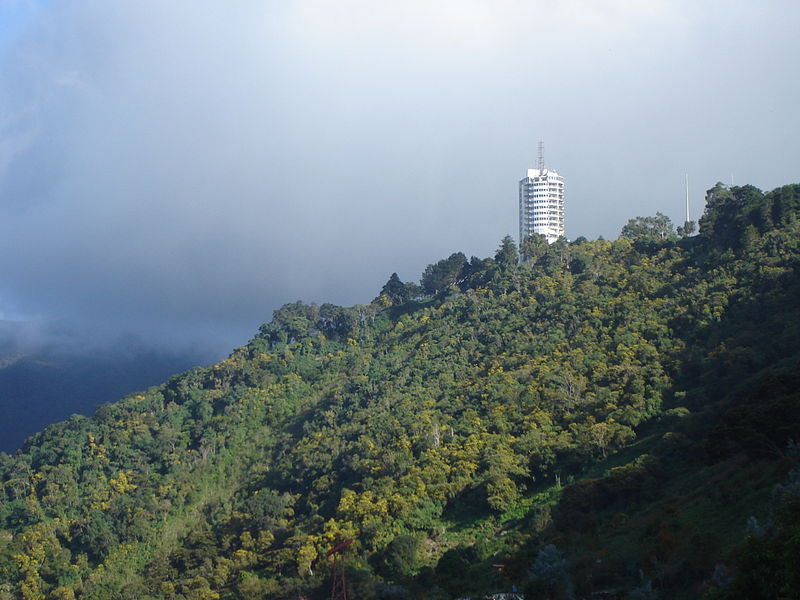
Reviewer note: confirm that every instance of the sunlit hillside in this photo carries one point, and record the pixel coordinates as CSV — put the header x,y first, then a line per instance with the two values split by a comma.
x,y
604,416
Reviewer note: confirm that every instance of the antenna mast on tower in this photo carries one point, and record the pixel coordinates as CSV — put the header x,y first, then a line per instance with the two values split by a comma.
x,y
541,157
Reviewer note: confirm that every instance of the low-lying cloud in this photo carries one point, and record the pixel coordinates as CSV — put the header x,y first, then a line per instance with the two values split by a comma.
x,y
181,170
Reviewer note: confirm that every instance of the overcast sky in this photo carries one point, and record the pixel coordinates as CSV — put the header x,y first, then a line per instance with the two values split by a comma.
x,y
179,169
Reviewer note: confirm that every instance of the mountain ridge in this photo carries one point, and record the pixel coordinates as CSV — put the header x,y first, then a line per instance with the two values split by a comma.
x,y
605,417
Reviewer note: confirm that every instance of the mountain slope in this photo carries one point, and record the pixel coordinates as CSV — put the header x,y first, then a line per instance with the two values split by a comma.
x,y
47,380
607,416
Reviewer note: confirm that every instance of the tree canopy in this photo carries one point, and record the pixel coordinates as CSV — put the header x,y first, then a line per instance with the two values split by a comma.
x,y
649,229
447,272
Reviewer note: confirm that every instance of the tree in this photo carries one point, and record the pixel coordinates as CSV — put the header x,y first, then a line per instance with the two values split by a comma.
x,y
439,276
548,576
267,507
532,247
401,557
728,213
649,229
687,229
549,565
398,292
291,322
337,320
507,256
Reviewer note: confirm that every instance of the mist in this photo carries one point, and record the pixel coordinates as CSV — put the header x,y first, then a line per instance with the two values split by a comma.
x,y
49,372
175,171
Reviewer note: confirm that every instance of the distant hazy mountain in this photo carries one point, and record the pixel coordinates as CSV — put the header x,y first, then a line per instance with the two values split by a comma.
x,y
46,376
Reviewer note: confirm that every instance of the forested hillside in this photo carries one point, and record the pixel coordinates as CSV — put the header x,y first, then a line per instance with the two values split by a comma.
x,y
613,417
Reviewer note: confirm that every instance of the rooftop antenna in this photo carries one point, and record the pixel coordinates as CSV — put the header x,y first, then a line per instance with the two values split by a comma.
x,y
541,156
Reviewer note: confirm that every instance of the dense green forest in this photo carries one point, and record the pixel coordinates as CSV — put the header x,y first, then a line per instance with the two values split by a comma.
x,y
607,419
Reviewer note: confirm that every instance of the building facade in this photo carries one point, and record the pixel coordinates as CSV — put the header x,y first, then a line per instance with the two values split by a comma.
x,y
541,204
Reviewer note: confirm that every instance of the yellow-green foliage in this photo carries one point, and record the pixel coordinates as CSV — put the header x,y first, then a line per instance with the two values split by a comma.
x,y
435,432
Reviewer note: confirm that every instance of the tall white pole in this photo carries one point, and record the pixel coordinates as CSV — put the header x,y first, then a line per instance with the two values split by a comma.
x,y
687,198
